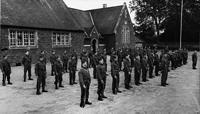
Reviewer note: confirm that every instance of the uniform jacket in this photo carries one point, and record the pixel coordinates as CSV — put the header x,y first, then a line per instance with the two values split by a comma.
x,y
144,63
72,64
5,67
40,69
58,68
84,76
65,58
137,66
53,58
164,63
101,73
26,60
127,65
114,68
194,57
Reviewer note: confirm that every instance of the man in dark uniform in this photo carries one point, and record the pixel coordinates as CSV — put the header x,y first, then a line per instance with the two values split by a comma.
x,y
156,62
58,73
84,56
127,71
164,69
101,78
42,53
53,58
40,72
150,62
94,62
194,60
120,58
84,81
72,70
115,69
144,66
6,70
65,59
26,61
73,53
104,55
137,70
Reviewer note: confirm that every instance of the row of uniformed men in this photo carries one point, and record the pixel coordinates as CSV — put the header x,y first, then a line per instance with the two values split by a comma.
x,y
142,60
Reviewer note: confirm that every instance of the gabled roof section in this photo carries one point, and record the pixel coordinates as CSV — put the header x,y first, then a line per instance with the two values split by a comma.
x,y
105,19
49,14
83,19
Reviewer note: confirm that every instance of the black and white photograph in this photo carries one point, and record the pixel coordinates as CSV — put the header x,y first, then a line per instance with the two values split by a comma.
x,y
100,57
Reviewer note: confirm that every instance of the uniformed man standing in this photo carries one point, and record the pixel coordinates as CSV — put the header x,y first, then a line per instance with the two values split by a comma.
x,y
115,69
156,63
94,62
101,78
58,73
104,55
120,58
144,66
84,81
26,61
72,70
53,58
40,72
6,70
65,59
73,53
84,56
137,70
150,62
164,69
194,60
127,71
43,54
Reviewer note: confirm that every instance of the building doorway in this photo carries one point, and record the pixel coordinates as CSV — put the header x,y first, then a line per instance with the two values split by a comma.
x,y
94,45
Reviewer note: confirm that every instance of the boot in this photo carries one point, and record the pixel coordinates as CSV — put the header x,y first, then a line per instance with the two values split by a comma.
x,y
44,90
87,102
38,93
82,104
30,79
9,83
3,84
56,86
100,99
60,85
103,96
119,91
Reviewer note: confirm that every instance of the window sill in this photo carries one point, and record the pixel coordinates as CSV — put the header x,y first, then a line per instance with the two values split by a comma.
x,y
22,47
62,46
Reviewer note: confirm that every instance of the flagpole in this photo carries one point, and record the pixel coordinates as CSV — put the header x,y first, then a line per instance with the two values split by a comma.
x,y
181,24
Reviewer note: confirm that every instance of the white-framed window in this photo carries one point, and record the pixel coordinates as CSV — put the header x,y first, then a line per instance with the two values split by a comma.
x,y
61,39
125,34
19,38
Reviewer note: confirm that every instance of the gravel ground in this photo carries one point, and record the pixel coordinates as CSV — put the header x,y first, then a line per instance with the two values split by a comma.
x,y
181,96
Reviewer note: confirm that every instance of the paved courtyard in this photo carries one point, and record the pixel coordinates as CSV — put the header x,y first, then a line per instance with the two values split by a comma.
x,y
181,96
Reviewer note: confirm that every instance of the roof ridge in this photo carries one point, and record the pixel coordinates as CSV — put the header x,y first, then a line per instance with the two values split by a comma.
x,y
104,8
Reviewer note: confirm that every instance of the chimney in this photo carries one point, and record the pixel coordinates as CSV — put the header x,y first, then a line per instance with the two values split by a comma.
x,y
104,5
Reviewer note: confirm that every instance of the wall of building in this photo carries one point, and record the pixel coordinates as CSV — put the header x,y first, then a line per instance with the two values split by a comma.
x,y
44,43
119,31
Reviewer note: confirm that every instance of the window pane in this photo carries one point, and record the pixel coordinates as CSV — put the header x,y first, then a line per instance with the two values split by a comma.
x,y
58,39
26,38
12,38
19,38
54,39
32,38
62,39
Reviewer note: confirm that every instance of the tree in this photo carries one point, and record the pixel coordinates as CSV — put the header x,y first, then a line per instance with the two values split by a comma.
x,y
164,16
151,13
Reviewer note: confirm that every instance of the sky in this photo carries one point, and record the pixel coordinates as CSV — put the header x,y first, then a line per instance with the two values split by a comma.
x,y
94,4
